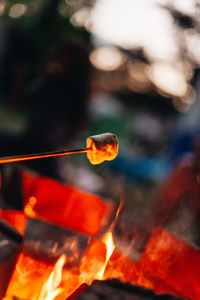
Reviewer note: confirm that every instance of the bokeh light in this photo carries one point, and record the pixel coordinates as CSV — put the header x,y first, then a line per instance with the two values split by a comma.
x,y
168,78
106,58
17,10
80,18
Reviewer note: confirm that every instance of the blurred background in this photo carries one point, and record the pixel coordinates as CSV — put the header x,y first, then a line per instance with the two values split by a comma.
x,y
74,68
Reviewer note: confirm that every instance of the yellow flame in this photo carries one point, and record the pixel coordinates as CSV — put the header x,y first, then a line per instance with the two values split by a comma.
x,y
50,289
29,208
110,246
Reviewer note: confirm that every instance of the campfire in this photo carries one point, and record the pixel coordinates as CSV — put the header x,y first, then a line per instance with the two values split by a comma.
x,y
62,245
38,273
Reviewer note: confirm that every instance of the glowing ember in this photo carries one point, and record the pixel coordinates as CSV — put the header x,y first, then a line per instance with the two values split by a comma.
x,y
120,266
15,218
119,208
64,205
36,280
101,261
50,289
92,261
166,265
28,277
29,207
103,147
108,240
174,263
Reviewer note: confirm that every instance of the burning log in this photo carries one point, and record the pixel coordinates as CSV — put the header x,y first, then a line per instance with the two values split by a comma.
x,y
77,292
92,261
28,278
33,278
129,271
15,218
110,288
168,259
45,241
10,246
65,205
43,244
166,266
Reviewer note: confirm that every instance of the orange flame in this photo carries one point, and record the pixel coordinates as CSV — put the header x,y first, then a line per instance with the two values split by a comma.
x,y
29,207
110,246
50,289
119,208
29,279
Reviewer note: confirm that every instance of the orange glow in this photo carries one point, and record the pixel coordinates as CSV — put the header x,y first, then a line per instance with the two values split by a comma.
x,y
174,263
29,207
108,240
50,289
92,261
119,208
28,277
15,218
166,266
127,270
64,205
37,280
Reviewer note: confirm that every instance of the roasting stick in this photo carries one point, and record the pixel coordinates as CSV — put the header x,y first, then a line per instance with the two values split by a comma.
x,y
100,147
10,159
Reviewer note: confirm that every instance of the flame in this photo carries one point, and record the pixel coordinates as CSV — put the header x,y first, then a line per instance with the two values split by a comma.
x,y
102,261
95,259
33,273
27,278
119,208
29,207
34,279
110,246
50,289
92,261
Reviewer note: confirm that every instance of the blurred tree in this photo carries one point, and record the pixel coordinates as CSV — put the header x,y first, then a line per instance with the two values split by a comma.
x,y
31,32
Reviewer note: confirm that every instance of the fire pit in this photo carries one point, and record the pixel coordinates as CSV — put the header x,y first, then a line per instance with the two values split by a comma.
x,y
49,236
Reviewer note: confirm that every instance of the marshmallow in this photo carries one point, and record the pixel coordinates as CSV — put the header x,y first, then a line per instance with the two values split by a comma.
x,y
103,147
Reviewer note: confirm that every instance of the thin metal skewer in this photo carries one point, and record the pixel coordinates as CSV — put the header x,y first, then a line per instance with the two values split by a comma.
x,y
10,159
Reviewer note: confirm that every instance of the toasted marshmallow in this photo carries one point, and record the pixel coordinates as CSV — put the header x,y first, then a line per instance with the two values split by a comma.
x,y
102,147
